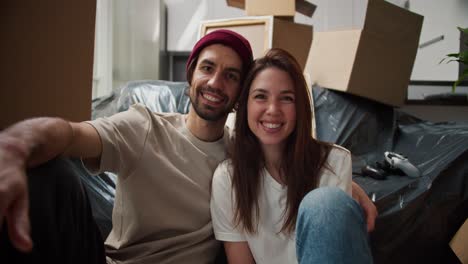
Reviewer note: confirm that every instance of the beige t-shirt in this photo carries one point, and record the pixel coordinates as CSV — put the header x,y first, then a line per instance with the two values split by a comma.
x,y
162,203
269,245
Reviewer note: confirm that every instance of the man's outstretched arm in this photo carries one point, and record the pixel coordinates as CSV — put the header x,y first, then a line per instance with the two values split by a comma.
x,y
30,143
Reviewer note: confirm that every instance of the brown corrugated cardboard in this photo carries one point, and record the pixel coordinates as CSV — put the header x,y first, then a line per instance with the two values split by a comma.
x,y
47,59
270,7
459,243
374,62
274,7
266,32
305,8
236,3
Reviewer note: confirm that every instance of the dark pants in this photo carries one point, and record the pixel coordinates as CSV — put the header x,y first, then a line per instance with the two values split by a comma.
x,y
62,225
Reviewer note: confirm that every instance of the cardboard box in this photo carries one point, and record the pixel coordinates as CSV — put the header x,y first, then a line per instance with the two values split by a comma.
x,y
270,7
459,243
373,62
267,32
47,59
274,7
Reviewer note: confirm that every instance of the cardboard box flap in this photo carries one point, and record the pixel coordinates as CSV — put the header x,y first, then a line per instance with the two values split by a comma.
x,y
305,8
373,62
301,6
282,31
386,19
459,243
270,7
331,67
369,72
236,3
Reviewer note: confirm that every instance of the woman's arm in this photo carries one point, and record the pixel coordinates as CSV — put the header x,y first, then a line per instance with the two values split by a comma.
x,y
238,253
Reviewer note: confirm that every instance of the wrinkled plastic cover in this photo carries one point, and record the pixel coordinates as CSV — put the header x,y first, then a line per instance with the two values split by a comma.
x,y
417,216
158,96
368,129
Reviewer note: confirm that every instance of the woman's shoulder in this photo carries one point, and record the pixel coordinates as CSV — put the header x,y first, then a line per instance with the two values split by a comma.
x,y
222,173
339,151
338,155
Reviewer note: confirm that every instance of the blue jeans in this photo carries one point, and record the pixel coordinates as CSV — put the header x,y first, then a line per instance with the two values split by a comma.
x,y
331,228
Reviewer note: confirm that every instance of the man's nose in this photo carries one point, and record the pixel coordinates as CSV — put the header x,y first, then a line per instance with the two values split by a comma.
x,y
216,80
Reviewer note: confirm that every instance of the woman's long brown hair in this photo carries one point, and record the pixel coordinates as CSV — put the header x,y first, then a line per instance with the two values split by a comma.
x,y
303,157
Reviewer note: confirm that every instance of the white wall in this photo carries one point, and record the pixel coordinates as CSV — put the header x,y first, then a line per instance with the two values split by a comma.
x,y
184,17
102,69
130,34
138,28
441,18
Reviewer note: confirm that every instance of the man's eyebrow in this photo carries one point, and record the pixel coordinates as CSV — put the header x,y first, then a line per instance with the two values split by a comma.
x,y
233,69
207,61
230,69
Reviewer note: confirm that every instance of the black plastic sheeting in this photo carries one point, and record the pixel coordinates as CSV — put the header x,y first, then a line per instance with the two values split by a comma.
x,y
417,217
158,96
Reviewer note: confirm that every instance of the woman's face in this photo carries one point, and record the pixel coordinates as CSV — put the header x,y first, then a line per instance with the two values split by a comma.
x,y
271,110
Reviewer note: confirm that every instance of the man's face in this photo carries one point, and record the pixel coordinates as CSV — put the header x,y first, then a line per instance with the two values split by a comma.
x,y
216,82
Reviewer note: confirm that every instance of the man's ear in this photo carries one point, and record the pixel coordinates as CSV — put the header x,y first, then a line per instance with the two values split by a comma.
x,y
235,108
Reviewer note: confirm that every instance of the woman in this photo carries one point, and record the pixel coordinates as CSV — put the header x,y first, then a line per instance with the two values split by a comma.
x,y
274,163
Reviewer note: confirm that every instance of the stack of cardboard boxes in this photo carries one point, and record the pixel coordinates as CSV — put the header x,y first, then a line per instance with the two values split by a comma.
x,y
269,24
373,62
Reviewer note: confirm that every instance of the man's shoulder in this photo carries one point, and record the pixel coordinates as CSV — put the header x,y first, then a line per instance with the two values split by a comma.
x,y
160,118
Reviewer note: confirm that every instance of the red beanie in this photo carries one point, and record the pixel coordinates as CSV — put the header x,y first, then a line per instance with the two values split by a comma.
x,y
226,37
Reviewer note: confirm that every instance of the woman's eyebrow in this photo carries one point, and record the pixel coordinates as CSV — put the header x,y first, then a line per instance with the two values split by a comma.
x,y
260,90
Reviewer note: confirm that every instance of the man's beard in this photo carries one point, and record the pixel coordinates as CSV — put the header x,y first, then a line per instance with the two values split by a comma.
x,y
208,112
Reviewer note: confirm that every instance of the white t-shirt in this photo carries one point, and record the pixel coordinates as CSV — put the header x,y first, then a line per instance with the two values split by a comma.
x,y
268,245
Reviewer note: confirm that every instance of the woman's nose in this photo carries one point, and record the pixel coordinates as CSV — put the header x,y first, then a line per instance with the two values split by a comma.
x,y
272,107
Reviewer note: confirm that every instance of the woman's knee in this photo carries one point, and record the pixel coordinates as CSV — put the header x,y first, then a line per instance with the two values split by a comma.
x,y
324,197
329,204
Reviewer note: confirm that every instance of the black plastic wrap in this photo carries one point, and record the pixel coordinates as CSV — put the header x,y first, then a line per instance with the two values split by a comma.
x,y
101,194
158,96
418,216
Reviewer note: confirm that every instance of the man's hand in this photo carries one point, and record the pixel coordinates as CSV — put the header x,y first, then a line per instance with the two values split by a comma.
x,y
14,201
367,205
27,144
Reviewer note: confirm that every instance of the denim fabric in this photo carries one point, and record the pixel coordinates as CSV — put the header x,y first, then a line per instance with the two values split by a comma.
x,y
331,228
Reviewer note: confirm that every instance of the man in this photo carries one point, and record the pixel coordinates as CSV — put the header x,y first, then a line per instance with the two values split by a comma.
x,y
164,161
